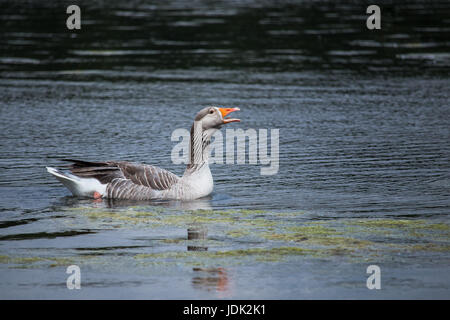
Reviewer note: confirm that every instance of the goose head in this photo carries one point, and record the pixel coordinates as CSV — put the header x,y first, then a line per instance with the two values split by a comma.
x,y
206,123
211,119
214,117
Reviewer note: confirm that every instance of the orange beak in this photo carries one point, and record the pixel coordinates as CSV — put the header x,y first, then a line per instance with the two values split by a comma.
x,y
227,111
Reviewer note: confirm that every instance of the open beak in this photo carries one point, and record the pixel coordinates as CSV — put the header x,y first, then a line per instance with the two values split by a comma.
x,y
227,111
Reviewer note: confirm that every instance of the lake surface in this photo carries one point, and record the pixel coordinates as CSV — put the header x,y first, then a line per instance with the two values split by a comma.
x,y
364,174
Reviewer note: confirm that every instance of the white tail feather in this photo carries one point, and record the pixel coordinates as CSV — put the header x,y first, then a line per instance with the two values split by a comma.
x,y
81,187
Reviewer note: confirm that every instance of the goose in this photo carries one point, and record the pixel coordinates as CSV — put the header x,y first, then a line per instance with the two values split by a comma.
x,y
135,181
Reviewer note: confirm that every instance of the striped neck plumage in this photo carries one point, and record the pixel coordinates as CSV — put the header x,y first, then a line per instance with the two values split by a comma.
x,y
199,148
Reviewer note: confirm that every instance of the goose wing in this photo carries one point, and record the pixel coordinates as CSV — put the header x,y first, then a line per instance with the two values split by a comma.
x,y
126,180
148,176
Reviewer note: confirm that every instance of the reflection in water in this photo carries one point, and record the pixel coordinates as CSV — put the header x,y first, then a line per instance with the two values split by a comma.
x,y
199,204
209,279
197,232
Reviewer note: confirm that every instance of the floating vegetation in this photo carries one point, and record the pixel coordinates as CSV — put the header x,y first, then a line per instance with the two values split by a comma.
x,y
273,254
432,236
32,262
387,223
286,237
431,247
238,233
155,218
313,230
344,242
415,227
277,235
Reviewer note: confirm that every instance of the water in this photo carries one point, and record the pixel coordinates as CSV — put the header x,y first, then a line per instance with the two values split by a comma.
x,y
364,155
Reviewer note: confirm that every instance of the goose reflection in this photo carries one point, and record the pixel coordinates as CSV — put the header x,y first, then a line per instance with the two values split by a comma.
x,y
198,204
209,279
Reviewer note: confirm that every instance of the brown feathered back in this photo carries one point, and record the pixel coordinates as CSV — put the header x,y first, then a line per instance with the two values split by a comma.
x,y
140,174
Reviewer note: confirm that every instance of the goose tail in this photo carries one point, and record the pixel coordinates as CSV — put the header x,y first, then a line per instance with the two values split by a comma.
x,y
80,187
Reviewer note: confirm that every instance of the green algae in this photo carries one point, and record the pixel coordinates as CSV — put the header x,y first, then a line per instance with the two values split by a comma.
x,y
118,216
399,223
175,218
430,247
238,233
313,230
244,212
30,262
140,214
173,240
204,212
343,242
280,251
286,237
355,238
241,212
300,233
183,220
250,211
164,255
19,260
438,227
153,218
259,223
124,217
61,262
418,228
404,231
318,237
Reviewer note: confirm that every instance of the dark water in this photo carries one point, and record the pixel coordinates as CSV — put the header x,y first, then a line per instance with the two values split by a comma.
x,y
364,174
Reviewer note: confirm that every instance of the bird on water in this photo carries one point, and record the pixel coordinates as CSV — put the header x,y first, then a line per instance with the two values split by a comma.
x,y
135,181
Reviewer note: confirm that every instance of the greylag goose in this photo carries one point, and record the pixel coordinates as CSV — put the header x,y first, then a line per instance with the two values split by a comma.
x,y
133,181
